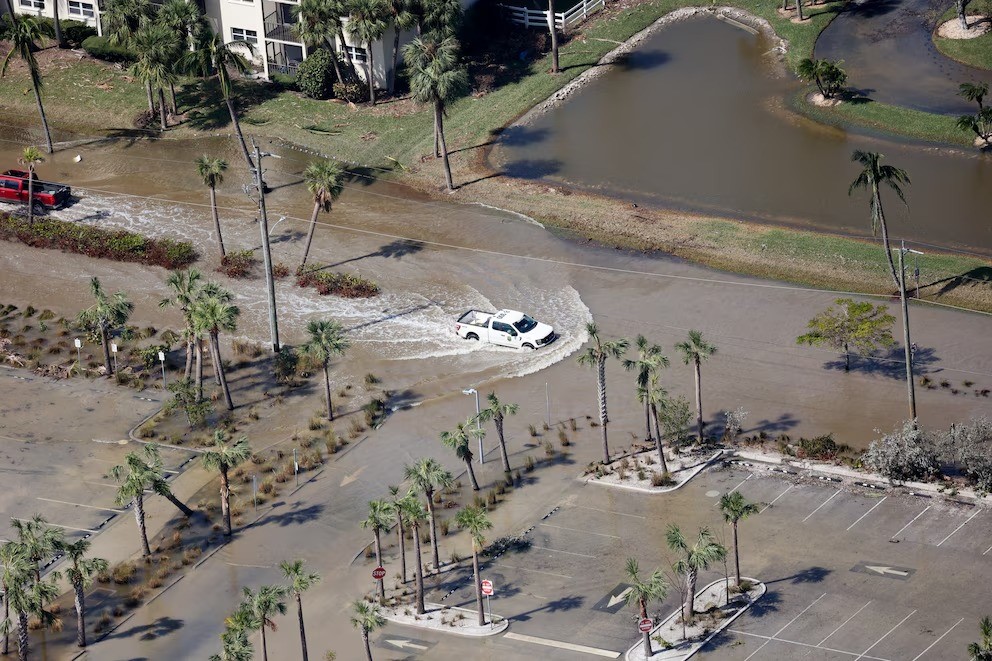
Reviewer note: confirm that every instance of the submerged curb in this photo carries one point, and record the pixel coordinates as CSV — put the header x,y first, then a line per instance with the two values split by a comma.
x,y
692,472
469,631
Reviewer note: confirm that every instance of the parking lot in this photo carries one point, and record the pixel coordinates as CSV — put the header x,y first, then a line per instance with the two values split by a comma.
x,y
60,469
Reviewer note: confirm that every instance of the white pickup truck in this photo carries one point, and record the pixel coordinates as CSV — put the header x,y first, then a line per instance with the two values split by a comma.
x,y
506,328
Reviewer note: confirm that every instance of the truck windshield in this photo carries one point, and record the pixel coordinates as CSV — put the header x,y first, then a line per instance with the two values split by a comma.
x,y
525,325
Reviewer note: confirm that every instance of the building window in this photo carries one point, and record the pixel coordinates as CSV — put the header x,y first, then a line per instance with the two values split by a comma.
x,y
84,9
32,4
357,54
240,34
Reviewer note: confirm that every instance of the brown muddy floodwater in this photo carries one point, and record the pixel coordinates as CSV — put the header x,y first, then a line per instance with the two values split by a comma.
x,y
695,120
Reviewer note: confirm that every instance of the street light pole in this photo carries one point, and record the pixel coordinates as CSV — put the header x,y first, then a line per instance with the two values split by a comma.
x,y
478,423
161,358
263,224
910,386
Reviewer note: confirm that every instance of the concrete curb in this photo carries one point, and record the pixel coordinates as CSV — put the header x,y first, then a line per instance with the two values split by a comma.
x,y
500,627
677,655
694,471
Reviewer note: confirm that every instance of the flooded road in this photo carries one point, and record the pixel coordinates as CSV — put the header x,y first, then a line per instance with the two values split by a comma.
x,y
695,120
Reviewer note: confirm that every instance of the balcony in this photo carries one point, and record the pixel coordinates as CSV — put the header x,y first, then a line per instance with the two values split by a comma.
x,y
280,22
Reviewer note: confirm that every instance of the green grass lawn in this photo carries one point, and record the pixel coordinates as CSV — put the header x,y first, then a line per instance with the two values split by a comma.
x,y
975,52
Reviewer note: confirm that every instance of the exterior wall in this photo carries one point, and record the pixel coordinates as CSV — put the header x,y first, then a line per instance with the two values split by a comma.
x,y
47,9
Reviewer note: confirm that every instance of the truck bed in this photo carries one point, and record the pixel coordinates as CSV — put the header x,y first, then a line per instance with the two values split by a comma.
x,y
475,318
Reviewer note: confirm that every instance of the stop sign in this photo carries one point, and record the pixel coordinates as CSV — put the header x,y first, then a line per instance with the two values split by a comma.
x,y
645,625
487,588
379,573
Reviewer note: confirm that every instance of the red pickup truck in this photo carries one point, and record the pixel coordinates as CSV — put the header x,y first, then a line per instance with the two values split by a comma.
x,y
14,188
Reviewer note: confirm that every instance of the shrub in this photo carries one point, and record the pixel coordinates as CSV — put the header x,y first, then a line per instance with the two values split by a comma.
x,y
122,572
353,90
339,284
821,447
280,270
316,75
284,365
286,81
247,348
237,264
76,32
102,49
661,480
905,454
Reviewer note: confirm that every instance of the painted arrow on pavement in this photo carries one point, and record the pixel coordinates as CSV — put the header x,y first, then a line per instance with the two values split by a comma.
x,y
618,598
403,644
887,570
613,602
348,479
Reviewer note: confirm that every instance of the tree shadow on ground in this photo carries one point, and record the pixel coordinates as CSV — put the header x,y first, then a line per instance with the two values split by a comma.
x,y
295,515
642,61
520,136
891,365
976,277
207,110
768,604
560,605
864,10
814,574
784,422
532,168
397,249
160,627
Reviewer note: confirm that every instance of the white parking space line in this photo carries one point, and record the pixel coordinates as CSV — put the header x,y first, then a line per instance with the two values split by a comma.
x,y
584,532
954,626
749,476
92,507
571,647
843,623
597,509
867,513
987,550
973,515
787,624
534,571
776,498
769,639
886,635
57,525
545,548
822,505
111,486
911,522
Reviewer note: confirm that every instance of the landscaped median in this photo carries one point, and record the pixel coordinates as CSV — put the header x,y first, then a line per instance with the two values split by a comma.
x,y
643,471
446,619
716,606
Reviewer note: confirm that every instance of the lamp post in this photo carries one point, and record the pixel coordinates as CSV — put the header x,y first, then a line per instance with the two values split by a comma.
x,y
910,386
161,358
113,349
478,423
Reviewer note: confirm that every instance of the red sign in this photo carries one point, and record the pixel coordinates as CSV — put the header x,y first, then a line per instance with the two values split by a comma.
x,y
487,588
645,625
379,573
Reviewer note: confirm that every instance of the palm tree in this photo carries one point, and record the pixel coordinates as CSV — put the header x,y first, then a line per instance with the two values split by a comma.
x,y
400,505
442,18
427,474
29,599
223,456
211,171
262,605
317,25
108,313
366,23
14,570
211,315
235,646
735,508
380,515
156,46
326,340
414,516
982,651
184,19
649,360
300,581
367,617
23,32
30,158
642,591
403,19
436,79
975,92
325,181
459,440
123,18
872,176
656,399
497,412
596,356
38,540
474,521
185,286
81,574
694,351
693,559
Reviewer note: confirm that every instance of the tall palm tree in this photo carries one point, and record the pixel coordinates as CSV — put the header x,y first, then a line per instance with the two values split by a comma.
x,y
436,79
262,605
379,518
974,92
649,360
325,340
366,24
211,315
414,515
325,181
642,591
184,19
441,18
222,456
735,508
427,475
30,158
123,18
15,569
655,398
107,314
300,580
873,175
459,440
38,540
81,572
692,560
23,33
497,412
317,26
185,289
29,599
399,504
694,351
155,45
982,651
475,522
211,171
235,646
367,618
596,356
403,19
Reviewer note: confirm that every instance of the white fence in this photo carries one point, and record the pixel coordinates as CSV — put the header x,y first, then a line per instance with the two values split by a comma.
x,y
563,20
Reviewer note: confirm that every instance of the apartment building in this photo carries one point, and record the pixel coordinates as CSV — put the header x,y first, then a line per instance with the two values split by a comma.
x,y
84,11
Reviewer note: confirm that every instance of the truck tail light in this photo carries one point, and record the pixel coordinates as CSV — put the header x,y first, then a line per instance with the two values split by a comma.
x,y
458,327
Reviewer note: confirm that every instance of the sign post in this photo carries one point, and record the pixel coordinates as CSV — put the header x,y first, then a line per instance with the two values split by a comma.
x,y
488,590
113,348
161,358
644,625
296,468
79,359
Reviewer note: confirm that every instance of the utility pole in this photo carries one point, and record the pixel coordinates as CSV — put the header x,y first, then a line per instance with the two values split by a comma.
x,y
910,386
263,224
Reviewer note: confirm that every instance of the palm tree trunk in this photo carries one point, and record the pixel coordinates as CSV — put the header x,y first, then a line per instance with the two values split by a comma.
x,y
699,401
498,420
799,9
105,341
647,634
59,39
347,53
471,475
327,393
847,359
368,648
199,370
180,505
885,236
402,541
80,601
213,210
418,570
139,516
30,195
237,131
396,58
370,67
478,586
334,61
303,630
220,373
433,528
22,636
659,442
190,354
5,644
381,588
44,118
313,227
161,110
265,648
439,122
785,5
554,36
172,93
151,99
737,557
214,363
603,416
647,419
689,607
437,140
962,17
225,504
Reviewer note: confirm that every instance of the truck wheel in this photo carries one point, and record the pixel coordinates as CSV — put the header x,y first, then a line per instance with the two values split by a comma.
x,y
472,336
529,346
38,209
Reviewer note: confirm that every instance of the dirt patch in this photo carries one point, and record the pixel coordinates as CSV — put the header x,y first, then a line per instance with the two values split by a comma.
x,y
977,26
818,99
